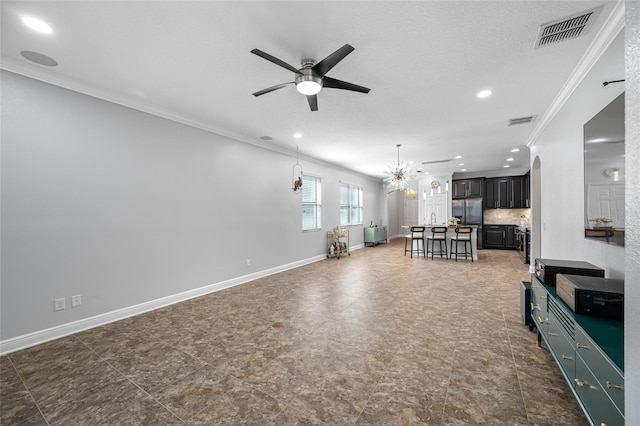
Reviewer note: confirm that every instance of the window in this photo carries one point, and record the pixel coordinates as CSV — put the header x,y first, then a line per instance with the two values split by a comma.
x,y
311,203
350,204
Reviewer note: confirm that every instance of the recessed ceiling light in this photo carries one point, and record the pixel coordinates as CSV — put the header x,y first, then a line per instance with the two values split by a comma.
x,y
37,25
460,164
484,93
39,58
297,135
463,170
506,166
510,159
515,150
266,138
457,157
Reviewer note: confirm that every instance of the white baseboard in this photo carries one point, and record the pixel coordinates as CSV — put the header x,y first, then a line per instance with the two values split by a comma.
x,y
41,336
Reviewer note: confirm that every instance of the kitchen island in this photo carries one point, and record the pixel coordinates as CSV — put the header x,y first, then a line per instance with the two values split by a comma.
x,y
450,233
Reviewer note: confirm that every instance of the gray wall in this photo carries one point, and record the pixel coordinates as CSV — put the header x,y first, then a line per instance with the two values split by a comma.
x,y
126,208
395,213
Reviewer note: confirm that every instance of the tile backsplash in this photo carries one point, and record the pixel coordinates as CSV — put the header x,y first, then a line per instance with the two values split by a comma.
x,y
506,216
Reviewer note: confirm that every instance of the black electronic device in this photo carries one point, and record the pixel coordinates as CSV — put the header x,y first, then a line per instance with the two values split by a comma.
x,y
547,269
596,296
525,303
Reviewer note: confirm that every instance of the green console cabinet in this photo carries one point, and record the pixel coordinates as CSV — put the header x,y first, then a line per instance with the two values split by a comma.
x,y
375,235
589,351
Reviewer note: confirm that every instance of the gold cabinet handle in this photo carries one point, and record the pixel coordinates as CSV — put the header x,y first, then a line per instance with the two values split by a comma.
x,y
542,297
567,357
535,286
612,386
581,346
543,321
579,383
552,334
535,307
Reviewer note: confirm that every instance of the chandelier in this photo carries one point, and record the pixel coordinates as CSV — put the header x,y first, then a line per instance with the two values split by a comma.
x,y
399,173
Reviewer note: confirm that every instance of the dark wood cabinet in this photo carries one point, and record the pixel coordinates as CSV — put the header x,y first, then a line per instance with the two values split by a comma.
x,y
496,193
516,195
510,237
490,193
459,189
468,188
494,236
505,193
526,186
500,237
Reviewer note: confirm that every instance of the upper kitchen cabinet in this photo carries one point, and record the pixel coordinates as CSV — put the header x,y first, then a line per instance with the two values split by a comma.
x,y
517,192
496,193
506,193
468,188
526,187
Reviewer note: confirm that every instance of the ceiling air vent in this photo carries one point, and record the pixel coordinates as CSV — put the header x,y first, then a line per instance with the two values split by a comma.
x,y
521,120
437,161
566,28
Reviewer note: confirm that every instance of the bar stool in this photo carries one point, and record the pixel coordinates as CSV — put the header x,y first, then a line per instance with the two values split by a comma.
x,y
417,235
463,235
439,234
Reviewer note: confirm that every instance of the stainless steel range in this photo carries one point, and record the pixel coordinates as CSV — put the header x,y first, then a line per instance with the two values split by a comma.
x,y
523,240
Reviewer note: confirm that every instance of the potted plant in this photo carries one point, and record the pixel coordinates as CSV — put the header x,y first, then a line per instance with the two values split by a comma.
x,y
599,222
453,222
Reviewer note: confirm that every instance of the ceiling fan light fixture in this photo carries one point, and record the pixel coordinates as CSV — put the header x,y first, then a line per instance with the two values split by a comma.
x,y
311,78
308,87
307,82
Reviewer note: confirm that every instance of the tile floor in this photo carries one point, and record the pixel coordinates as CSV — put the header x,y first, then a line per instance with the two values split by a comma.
x,y
374,338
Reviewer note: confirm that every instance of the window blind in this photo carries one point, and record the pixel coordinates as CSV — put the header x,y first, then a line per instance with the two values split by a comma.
x,y
311,203
351,201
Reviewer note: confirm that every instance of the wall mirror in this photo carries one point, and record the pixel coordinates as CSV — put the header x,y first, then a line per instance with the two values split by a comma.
x,y
604,174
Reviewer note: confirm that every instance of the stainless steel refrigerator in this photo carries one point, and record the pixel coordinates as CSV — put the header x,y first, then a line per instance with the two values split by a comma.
x,y
469,211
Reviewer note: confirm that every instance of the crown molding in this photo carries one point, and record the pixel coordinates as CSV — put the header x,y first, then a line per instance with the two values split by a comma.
x,y
607,34
18,67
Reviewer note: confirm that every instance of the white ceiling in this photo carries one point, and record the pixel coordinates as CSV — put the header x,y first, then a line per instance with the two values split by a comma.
x,y
424,62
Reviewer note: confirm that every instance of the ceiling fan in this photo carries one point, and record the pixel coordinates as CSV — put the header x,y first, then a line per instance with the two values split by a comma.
x,y
311,78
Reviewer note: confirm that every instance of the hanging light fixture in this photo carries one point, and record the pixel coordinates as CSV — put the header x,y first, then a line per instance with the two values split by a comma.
x,y
296,174
399,173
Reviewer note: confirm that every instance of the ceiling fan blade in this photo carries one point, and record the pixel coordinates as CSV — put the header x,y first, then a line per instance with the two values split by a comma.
x,y
272,88
275,60
323,67
332,83
313,102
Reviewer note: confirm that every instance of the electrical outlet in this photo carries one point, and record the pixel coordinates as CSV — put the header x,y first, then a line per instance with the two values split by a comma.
x,y
248,263
59,304
76,300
